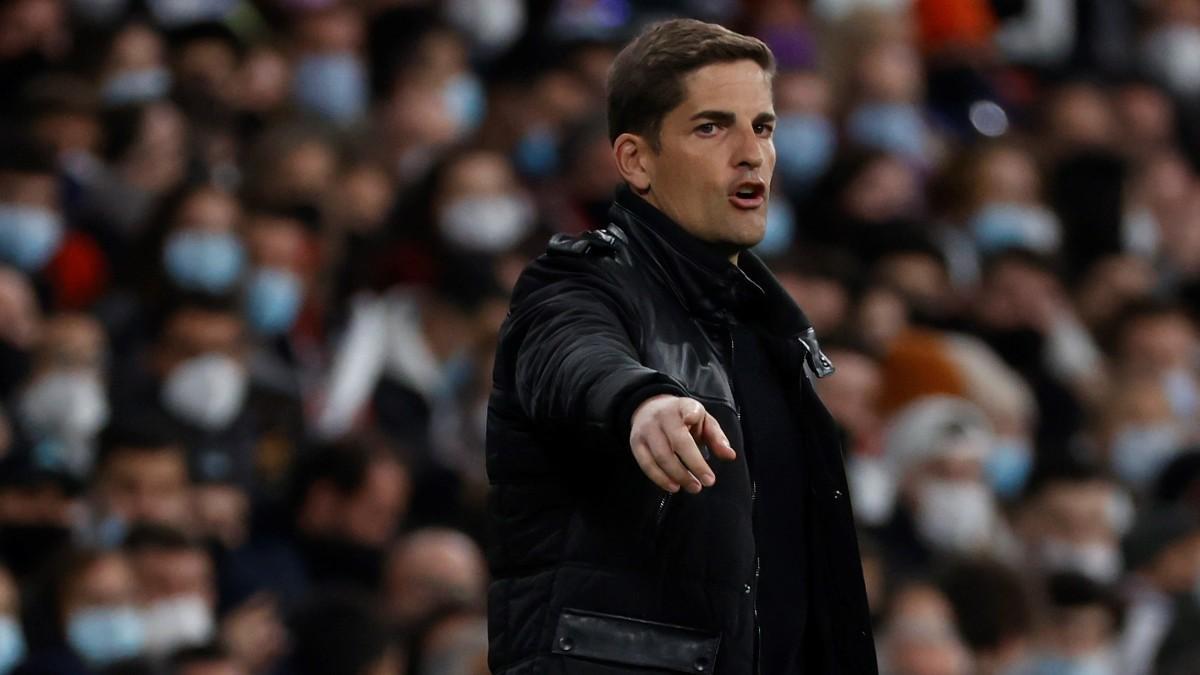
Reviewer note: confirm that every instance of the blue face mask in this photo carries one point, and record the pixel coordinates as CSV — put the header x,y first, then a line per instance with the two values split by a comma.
x,y
202,261
12,644
466,102
273,299
137,86
1001,225
536,153
893,127
781,228
333,86
1139,452
105,635
29,235
804,146
1008,466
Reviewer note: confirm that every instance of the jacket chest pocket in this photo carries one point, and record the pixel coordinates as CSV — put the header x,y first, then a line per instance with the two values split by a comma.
x,y
605,644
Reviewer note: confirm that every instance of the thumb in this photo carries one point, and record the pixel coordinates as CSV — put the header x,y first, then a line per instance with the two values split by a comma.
x,y
716,439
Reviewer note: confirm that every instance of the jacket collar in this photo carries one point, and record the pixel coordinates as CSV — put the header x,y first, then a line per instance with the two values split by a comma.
x,y
709,285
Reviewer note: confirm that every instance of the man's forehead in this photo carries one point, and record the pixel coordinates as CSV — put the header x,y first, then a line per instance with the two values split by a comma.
x,y
741,86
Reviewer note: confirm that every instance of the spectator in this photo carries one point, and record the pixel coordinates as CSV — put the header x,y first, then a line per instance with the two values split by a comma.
x,y
94,616
1071,520
1162,553
177,589
432,568
1081,626
348,501
141,477
919,636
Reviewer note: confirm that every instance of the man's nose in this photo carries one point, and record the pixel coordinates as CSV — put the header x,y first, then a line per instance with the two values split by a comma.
x,y
749,152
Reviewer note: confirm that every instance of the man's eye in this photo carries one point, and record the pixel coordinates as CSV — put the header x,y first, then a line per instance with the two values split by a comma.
x,y
764,129
707,128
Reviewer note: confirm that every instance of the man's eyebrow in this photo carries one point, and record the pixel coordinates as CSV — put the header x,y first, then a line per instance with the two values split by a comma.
x,y
726,117
718,116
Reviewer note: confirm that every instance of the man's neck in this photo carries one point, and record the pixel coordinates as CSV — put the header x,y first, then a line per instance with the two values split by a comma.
x,y
658,217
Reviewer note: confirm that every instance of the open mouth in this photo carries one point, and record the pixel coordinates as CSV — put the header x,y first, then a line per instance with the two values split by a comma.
x,y
749,195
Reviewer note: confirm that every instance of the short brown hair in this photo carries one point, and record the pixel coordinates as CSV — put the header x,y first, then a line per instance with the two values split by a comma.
x,y
646,79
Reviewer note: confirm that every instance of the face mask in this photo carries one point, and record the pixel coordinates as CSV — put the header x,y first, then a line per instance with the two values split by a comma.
x,y
333,86
1008,466
781,228
207,391
65,405
1000,226
1173,54
137,86
201,261
872,489
804,146
466,102
1183,394
105,635
12,644
492,24
956,516
487,224
536,154
184,621
1101,662
1097,561
29,236
273,298
1140,452
892,127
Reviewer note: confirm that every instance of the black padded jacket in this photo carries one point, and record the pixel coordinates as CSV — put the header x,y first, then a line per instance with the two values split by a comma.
x,y
595,570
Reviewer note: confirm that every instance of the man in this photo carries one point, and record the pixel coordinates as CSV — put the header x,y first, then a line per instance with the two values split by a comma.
x,y
668,493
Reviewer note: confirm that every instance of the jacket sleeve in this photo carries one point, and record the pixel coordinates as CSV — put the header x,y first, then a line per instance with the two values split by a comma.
x,y
576,364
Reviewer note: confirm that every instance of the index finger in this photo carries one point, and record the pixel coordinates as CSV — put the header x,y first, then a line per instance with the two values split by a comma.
x,y
712,434
685,448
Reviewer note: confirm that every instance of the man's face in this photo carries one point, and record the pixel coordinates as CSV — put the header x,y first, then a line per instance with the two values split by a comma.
x,y
194,332
146,486
107,582
714,144
373,513
165,573
1079,513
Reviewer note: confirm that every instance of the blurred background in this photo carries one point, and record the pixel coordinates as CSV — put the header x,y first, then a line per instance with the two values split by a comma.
x,y
254,255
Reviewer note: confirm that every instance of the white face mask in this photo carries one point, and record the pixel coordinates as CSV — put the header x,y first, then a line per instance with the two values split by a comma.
x,y
872,489
66,405
206,390
174,623
956,515
490,224
1098,561
493,24
1173,53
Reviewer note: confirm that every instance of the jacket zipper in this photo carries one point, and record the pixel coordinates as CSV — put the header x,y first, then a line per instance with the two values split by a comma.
x,y
737,410
662,509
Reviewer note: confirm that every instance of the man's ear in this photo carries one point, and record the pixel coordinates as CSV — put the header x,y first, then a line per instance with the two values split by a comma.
x,y
635,160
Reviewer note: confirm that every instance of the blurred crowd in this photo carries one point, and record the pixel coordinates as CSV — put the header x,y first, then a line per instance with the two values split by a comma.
x,y
254,255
